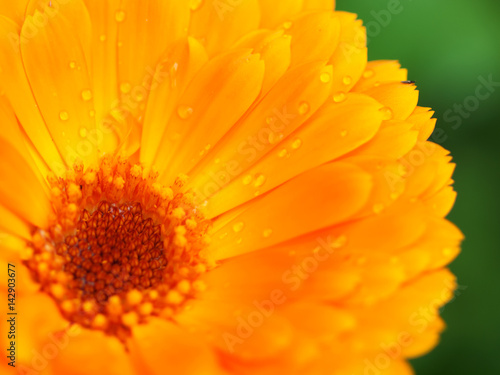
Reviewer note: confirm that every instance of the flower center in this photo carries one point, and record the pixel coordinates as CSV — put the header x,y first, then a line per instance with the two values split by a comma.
x,y
120,247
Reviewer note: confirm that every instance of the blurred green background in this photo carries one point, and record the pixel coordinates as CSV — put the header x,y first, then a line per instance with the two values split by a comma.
x,y
447,45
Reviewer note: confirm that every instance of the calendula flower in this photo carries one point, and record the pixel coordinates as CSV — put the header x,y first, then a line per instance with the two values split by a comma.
x,y
214,187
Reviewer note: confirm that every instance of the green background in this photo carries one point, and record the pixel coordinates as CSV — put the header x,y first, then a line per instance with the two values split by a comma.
x,y
447,45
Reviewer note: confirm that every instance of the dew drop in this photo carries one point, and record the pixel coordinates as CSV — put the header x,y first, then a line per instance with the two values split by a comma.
x,y
347,80
125,88
64,116
270,120
338,242
343,133
86,95
238,227
267,233
325,77
195,4
102,38
368,74
339,97
92,113
296,144
83,132
304,108
247,180
223,235
282,153
387,113
120,16
287,25
184,112
259,181
72,64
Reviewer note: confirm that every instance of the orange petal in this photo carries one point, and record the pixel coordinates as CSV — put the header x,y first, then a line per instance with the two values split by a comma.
x,y
159,345
268,221
59,76
422,121
104,65
219,24
13,80
400,98
203,120
21,192
274,49
333,131
381,72
314,37
142,39
291,102
350,57
94,352
173,73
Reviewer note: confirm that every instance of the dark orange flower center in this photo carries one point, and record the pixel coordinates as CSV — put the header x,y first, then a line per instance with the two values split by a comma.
x,y
120,247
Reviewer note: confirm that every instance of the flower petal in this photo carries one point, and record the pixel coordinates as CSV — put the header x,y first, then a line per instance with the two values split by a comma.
x,y
23,195
219,24
59,76
237,75
13,80
333,131
161,345
268,221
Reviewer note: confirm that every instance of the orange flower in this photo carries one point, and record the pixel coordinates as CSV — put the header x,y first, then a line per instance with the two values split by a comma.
x,y
215,187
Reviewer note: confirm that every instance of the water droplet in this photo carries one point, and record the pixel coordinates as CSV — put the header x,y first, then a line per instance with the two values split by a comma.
x,y
195,4
304,108
217,161
184,112
325,77
120,16
338,242
223,235
92,113
86,95
259,181
270,120
239,241
238,227
378,208
120,44
64,116
387,113
247,180
296,144
83,132
376,84
139,96
347,80
72,65
267,233
287,25
343,133
339,97
102,38
282,153
125,87
368,74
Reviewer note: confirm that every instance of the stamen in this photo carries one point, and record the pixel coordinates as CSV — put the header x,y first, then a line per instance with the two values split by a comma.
x,y
120,247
